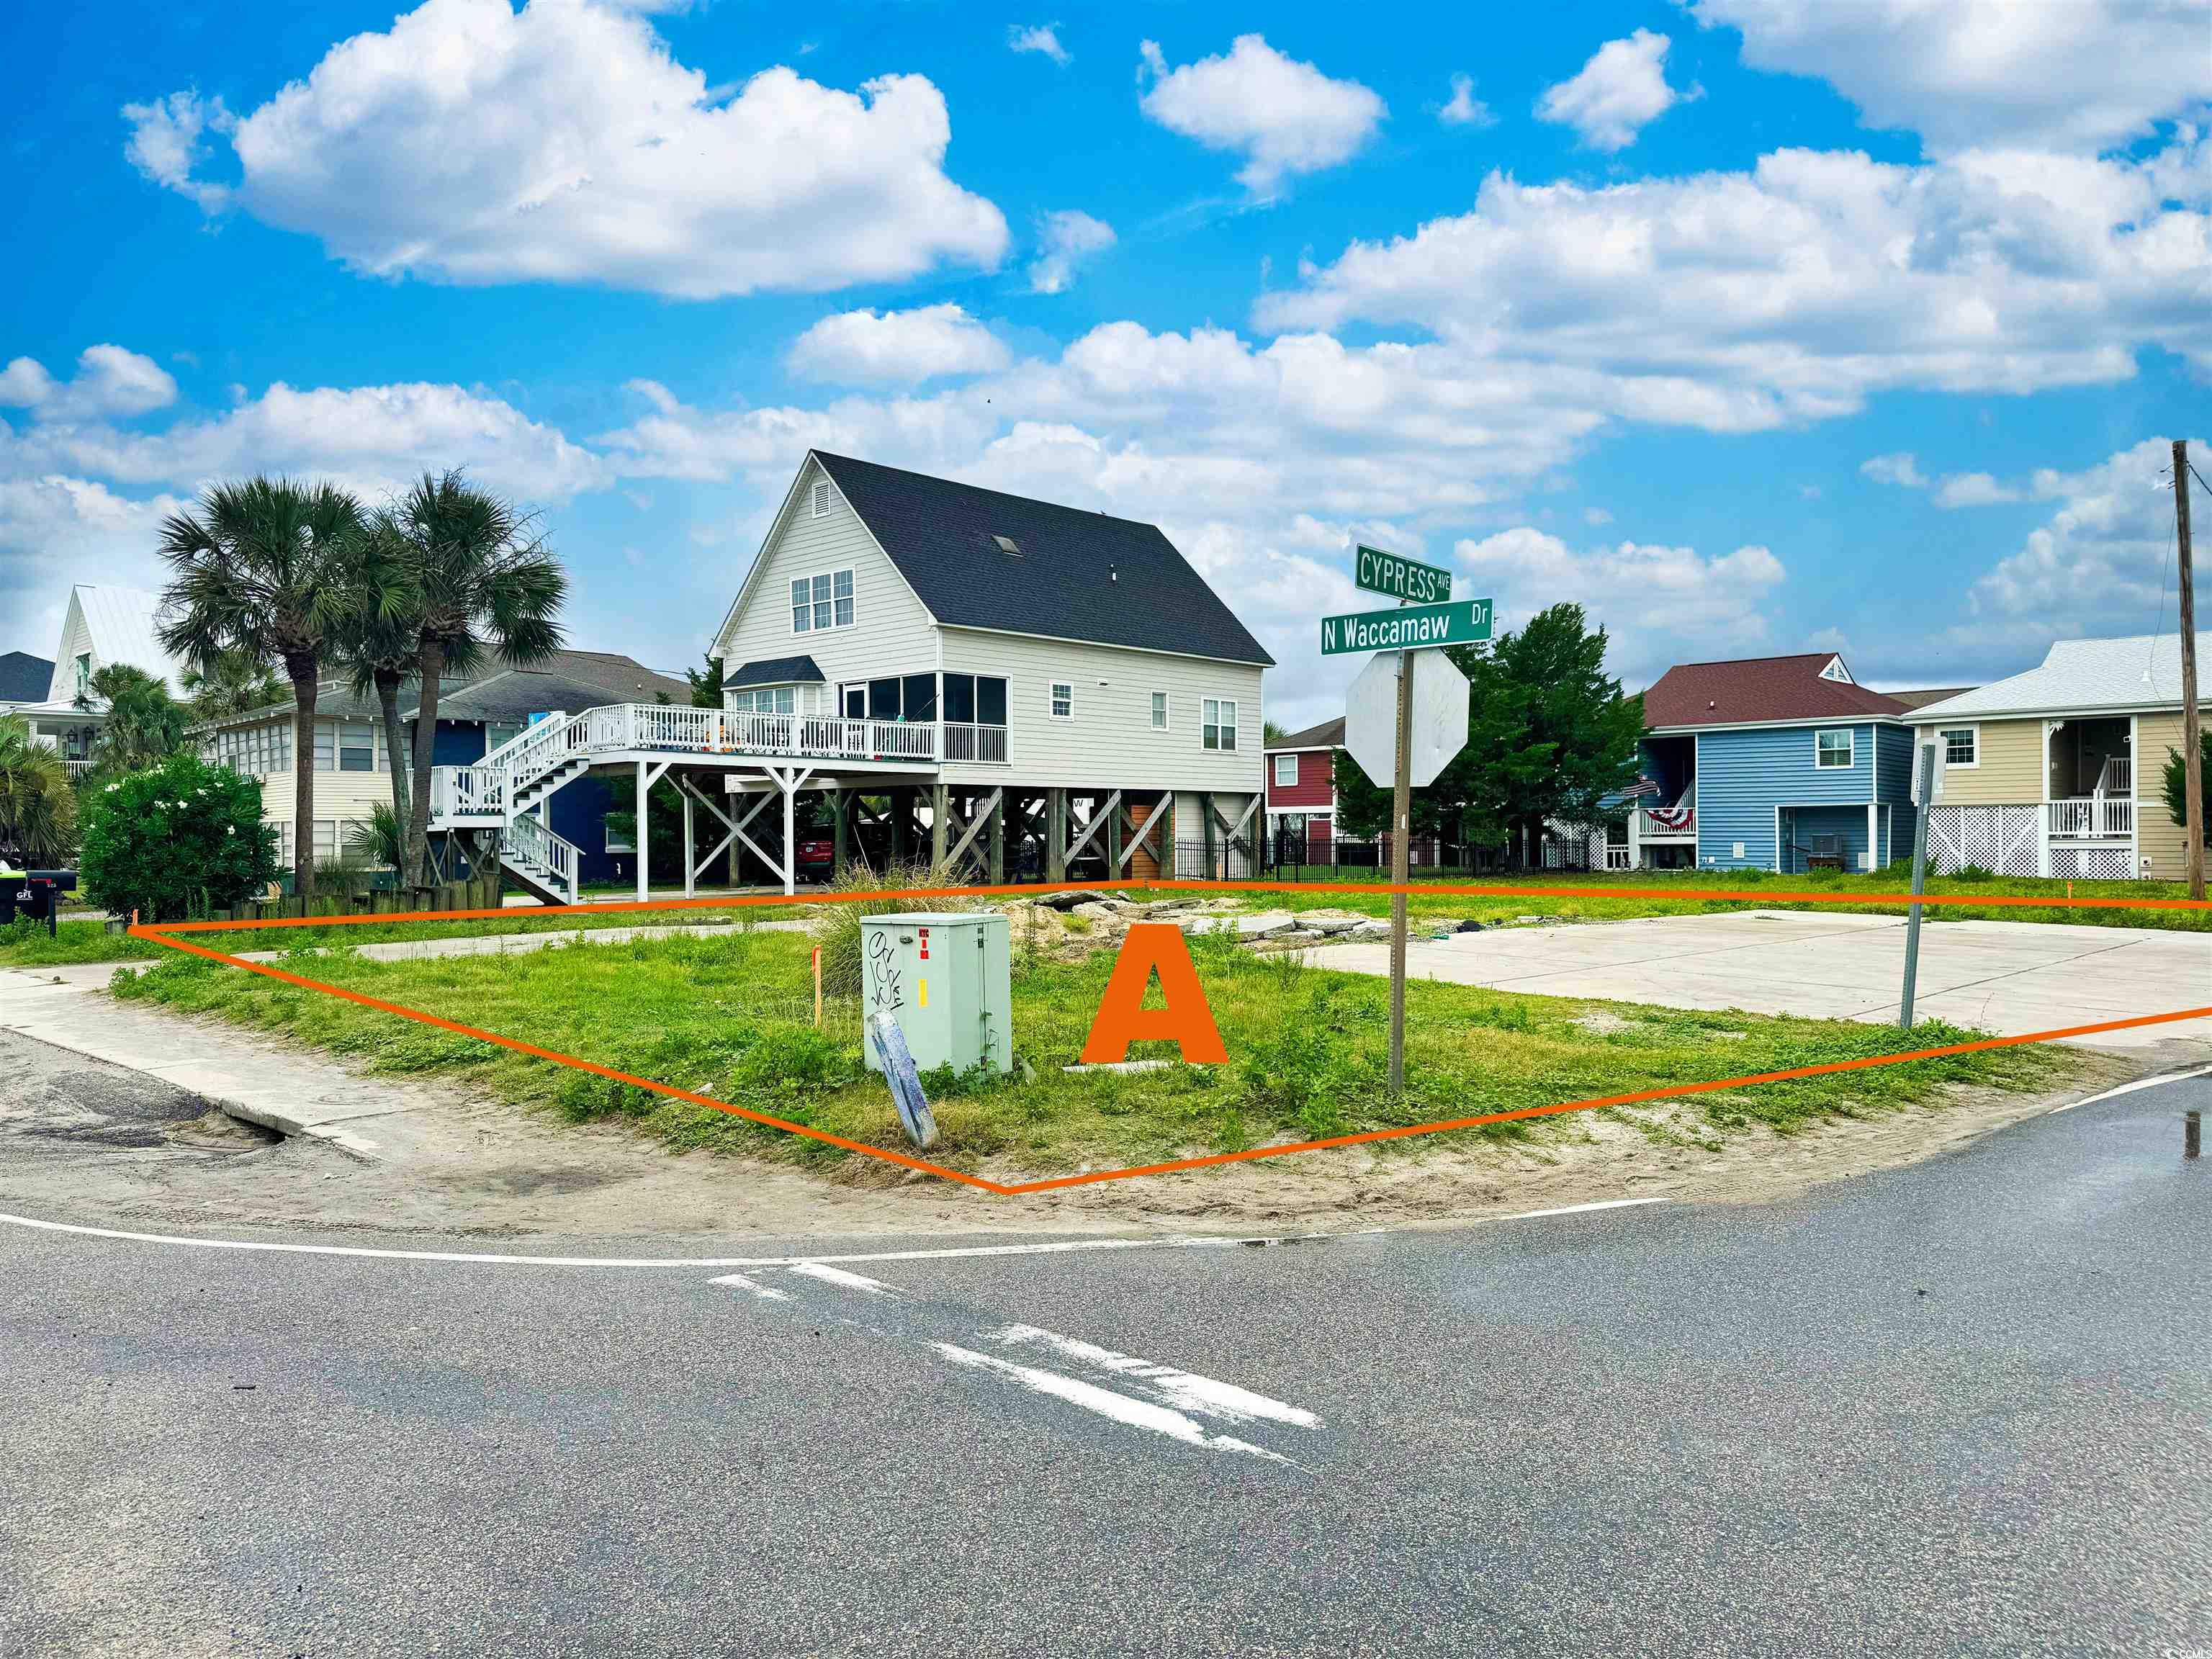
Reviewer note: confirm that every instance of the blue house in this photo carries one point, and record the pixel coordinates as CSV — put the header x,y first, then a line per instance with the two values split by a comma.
x,y
1783,763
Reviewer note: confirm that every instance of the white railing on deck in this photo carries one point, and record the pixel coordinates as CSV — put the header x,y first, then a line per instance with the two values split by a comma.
x,y
2094,819
2117,776
468,792
986,745
1660,823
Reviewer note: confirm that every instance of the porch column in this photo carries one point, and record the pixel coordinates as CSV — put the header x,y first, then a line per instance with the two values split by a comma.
x,y
790,836
638,835
1635,836
1873,845
2042,836
691,852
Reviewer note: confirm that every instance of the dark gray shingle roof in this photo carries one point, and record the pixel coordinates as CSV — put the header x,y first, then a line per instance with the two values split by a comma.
x,y
1078,577
24,677
1329,734
776,671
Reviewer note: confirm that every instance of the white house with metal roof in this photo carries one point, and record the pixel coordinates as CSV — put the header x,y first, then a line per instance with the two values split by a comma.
x,y
962,676
2056,771
102,626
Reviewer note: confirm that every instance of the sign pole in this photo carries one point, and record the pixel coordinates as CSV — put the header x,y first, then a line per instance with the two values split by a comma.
x,y
1926,780
1402,822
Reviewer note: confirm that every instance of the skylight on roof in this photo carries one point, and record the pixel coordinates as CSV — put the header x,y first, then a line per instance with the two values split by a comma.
x,y
1006,545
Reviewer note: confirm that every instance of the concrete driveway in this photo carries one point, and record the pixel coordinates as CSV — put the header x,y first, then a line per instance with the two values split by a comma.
x,y
2003,977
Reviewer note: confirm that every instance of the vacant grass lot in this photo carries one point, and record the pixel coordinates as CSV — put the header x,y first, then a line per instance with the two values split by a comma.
x,y
730,1017
1624,897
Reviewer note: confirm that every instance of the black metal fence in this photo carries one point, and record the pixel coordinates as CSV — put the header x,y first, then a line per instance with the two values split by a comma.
x,y
1293,855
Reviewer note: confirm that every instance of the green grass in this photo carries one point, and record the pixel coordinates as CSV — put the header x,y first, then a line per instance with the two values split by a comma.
x,y
1627,895
730,1017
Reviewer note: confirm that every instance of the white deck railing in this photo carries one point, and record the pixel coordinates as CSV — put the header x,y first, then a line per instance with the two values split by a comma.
x,y
2093,819
1666,822
986,745
533,844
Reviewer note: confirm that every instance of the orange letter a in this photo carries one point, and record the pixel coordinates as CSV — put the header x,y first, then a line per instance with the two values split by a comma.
x,y
1124,1019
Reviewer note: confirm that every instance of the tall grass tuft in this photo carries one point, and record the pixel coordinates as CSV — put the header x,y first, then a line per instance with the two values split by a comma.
x,y
836,927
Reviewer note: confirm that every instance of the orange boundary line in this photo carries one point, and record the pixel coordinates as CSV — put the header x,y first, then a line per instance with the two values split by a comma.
x,y
159,934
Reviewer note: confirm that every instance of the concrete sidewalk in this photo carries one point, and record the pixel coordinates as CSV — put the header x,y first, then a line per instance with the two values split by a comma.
x,y
2005,977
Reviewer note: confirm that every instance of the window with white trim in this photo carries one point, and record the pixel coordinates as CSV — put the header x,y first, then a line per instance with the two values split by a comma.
x,y
822,602
1063,700
1159,711
356,746
1217,723
1962,745
1831,750
1286,770
767,699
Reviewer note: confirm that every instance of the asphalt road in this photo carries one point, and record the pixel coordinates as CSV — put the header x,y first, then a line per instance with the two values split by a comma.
x,y
1960,1408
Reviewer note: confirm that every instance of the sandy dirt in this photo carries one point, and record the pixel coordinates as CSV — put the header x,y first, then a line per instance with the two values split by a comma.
x,y
86,1141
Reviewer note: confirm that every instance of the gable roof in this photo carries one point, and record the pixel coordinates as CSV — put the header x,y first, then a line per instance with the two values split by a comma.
x,y
1757,690
2142,671
776,671
569,680
121,624
1076,575
1329,734
1921,699
24,677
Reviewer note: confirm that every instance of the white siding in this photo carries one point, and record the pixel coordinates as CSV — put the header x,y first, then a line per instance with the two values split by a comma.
x,y
891,633
344,797
1110,742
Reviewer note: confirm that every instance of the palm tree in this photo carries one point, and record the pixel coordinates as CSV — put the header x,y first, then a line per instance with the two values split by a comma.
x,y
38,808
144,725
480,582
379,640
231,684
260,571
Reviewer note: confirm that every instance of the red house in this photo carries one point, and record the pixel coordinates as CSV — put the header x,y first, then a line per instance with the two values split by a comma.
x,y
1301,788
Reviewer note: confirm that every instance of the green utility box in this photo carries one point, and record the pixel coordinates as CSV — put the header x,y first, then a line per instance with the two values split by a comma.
x,y
945,977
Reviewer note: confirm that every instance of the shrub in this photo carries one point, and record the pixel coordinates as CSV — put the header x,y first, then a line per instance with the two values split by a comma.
x,y
836,927
183,838
1972,872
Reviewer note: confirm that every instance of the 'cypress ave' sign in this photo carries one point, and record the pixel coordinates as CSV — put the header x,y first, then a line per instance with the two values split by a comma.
x,y
1462,622
1400,578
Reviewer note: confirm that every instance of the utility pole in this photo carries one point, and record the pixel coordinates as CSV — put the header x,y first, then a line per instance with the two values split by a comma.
x,y
2192,743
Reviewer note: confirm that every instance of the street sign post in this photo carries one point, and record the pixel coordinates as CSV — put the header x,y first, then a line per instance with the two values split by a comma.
x,y
1399,578
1425,724
1457,622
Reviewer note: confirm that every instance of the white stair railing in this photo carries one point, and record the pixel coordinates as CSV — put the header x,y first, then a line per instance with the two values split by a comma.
x,y
541,853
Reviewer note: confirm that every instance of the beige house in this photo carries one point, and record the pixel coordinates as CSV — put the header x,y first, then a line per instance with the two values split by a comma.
x,y
2055,772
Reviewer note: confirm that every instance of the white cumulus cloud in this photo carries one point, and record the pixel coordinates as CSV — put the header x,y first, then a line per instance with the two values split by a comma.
x,y
2072,74
1285,117
896,347
1619,92
1660,604
1464,109
1066,240
109,381
1973,489
1042,38
474,144
1899,469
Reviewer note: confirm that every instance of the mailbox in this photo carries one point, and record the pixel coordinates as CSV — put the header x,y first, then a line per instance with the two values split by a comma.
x,y
946,977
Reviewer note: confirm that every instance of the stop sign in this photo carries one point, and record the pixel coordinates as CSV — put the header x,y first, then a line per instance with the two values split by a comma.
x,y
1371,716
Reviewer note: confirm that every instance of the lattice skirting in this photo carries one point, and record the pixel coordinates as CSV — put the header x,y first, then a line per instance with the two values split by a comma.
x,y
2091,862
1999,838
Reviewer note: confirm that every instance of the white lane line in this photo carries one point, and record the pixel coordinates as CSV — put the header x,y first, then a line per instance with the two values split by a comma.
x,y
1134,1413
1582,1209
2131,1088
1206,1395
753,1287
838,1276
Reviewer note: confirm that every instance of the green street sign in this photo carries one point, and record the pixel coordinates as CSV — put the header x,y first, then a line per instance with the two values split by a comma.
x,y
1398,578
1462,622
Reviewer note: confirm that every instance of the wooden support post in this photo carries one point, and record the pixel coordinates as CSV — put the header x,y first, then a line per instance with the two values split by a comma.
x,y
1056,835
940,802
1206,819
901,815
1116,815
841,832
996,868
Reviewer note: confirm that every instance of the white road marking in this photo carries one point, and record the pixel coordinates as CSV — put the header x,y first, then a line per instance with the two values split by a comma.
x,y
1134,1413
2131,1088
1582,1209
765,1292
1205,1395
829,1275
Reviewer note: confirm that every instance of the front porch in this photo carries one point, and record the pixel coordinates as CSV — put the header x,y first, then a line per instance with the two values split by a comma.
x,y
2084,829
1661,831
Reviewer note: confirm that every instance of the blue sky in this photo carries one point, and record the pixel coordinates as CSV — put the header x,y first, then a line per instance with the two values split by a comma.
x,y
1754,325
